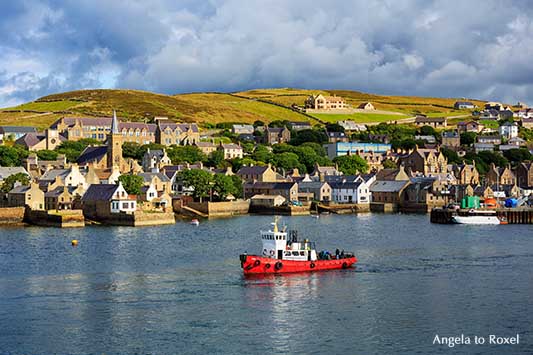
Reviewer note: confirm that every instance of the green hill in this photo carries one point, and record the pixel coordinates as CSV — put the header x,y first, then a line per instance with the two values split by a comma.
x,y
246,107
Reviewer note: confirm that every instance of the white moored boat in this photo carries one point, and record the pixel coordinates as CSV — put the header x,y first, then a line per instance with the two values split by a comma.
x,y
477,217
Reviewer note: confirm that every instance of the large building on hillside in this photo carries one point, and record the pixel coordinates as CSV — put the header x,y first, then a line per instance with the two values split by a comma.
x,y
162,132
321,102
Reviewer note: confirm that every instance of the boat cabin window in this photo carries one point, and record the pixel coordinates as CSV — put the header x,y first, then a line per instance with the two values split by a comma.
x,y
302,253
287,253
295,253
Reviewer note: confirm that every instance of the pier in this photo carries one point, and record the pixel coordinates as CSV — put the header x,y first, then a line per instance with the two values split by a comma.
x,y
512,215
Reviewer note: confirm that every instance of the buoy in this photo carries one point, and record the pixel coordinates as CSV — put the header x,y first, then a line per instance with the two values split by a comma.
x,y
74,242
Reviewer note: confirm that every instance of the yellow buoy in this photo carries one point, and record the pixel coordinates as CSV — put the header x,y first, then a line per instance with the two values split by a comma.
x,y
74,242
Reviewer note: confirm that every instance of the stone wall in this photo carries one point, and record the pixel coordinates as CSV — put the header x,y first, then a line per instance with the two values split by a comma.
x,y
11,215
383,207
222,209
61,219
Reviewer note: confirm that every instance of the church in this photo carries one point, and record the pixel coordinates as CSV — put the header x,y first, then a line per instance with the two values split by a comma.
x,y
109,157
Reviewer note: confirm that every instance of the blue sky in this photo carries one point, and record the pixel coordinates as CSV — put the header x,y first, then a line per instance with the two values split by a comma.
x,y
475,49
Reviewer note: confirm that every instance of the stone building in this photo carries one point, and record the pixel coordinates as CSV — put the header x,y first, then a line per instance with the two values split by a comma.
x,y
425,162
321,102
27,195
500,176
276,135
524,175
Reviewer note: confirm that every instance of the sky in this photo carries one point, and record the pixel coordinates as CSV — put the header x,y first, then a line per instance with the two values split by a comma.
x,y
472,49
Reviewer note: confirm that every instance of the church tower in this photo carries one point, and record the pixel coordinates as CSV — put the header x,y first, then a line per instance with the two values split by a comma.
x,y
114,144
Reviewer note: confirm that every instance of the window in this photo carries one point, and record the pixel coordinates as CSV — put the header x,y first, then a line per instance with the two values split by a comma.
x,y
295,253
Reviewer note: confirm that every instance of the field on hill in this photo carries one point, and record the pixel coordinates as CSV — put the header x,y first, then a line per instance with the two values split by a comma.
x,y
244,107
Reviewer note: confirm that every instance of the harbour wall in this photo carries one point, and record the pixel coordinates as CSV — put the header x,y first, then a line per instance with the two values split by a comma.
x,y
512,215
60,219
11,215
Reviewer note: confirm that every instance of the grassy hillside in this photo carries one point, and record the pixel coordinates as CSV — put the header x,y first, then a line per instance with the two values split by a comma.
x,y
246,107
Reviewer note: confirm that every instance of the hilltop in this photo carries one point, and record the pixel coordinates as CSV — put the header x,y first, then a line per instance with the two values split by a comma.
x,y
246,107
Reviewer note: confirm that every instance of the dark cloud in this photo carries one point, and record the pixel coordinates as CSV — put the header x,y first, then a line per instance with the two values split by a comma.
x,y
431,48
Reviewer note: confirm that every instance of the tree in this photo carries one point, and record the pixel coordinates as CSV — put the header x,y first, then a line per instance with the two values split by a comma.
x,y
197,179
309,135
132,183
389,164
73,149
216,159
9,182
468,138
427,131
223,186
12,156
318,148
451,155
237,186
517,155
262,153
185,154
351,164
132,150
258,123
47,154
334,127
287,161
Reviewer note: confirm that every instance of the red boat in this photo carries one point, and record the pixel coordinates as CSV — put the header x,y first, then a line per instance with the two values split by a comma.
x,y
283,252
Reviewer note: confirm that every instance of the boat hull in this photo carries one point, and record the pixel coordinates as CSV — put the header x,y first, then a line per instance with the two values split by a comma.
x,y
254,264
476,220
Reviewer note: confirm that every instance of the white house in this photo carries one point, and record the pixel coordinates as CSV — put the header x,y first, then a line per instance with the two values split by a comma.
x,y
352,191
509,130
121,201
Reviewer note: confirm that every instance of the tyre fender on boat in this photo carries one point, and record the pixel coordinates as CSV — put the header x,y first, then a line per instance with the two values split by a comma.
x,y
312,266
278,265
344,265
267,266
257,263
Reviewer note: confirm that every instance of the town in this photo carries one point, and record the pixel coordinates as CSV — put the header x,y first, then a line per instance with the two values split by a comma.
x,y
109,170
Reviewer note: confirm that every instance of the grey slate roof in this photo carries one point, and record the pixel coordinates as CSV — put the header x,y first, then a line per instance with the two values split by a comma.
x,y
148,176
270,185
100,192
51,175
91,154
388,185
17,129
19,189
252,170
345,185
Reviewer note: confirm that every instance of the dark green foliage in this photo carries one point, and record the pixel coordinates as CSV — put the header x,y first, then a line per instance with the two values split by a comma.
x,y
389,164
351,164
286,161
216,159
12,156
237,186
238,163
278,124
262,153
427,131
468,138
185,154
309,135
451,155
199,180
47,154
9,182
223,186
132,183
334,127
259,123
517,155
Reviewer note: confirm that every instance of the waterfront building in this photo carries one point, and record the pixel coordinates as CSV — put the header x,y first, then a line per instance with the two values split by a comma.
x,y
159,180
26,195
267,201
500,175
100,201
71,176
524,175
423,194
62,197
321,190
388,191
465,174
343,148
289,190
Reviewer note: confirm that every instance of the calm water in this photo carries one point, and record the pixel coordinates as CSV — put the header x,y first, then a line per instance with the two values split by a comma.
x,y
179,289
